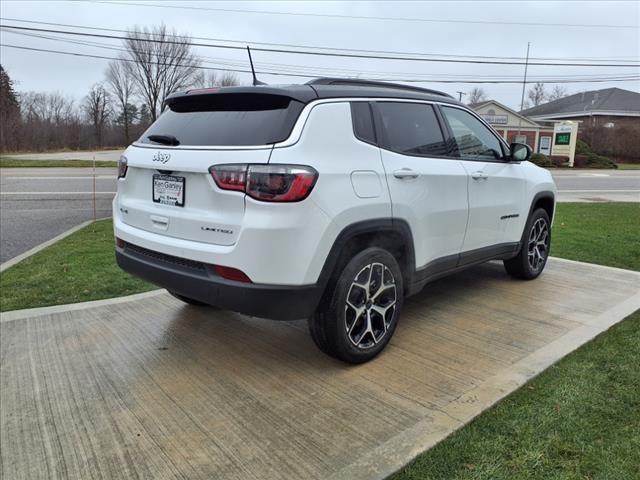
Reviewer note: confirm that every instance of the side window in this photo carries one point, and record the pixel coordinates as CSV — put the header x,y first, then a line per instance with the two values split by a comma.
x,y
411,128
475,141
363,122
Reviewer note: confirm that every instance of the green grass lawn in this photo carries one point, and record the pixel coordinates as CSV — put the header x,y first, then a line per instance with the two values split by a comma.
x,y
579,419
629,166
79,268
603,233
26,163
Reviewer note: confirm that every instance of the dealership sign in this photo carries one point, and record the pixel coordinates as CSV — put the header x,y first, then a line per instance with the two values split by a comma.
x,y
496,119
565,135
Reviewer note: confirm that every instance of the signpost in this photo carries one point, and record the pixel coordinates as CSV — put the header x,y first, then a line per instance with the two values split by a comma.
x,y
565,135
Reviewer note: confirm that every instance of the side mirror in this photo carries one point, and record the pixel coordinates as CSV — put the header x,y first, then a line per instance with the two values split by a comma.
x,y
520,152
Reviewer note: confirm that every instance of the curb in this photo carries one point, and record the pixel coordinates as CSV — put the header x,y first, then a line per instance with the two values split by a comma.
x,y
71,307
12,261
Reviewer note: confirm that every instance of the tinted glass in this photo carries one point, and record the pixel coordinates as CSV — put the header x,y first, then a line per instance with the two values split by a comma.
x,y
232,119
475,141
363,122
411,128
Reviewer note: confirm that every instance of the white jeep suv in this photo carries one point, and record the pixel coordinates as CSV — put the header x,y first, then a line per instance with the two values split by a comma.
x,y
330,201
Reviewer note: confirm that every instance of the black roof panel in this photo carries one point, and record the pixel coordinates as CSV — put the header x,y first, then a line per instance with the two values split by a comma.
x,y
328,88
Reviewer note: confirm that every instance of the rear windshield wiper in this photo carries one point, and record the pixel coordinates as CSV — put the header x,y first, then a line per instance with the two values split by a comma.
x,y
164,139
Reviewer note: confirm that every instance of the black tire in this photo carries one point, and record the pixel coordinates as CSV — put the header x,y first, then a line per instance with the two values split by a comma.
x,y
529,264
338,331
190,301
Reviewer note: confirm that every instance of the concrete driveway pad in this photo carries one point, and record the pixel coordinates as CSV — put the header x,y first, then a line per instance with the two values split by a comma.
x,y
152,388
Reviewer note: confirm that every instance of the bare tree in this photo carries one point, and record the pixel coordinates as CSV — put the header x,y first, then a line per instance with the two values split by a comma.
x,y
477,95
97,108
121,85
557,93
537,94
228,79
159,62
213,79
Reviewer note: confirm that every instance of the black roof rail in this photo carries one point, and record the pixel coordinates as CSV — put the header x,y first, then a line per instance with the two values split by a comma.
x,y
372,83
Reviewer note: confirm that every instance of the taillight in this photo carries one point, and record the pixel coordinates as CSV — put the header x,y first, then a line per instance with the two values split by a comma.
x,y
268,183
122,166
230,177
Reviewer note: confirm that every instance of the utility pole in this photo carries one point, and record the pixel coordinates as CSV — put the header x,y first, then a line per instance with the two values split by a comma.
x,y
524,86
460,95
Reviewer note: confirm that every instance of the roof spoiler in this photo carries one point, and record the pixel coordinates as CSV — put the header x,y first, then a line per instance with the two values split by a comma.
x,y
372,83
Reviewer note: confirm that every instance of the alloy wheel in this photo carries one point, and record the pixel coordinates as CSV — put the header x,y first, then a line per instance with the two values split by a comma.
x,y
538,247
370,306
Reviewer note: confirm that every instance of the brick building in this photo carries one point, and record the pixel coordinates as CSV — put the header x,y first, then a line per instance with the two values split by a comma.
x,y
514,127
609,120
609,107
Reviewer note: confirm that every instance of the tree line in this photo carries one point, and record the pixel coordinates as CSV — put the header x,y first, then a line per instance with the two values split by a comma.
x,y
155,62
536,95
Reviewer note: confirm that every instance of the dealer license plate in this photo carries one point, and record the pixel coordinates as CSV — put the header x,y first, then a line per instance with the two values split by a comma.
x,y
168,190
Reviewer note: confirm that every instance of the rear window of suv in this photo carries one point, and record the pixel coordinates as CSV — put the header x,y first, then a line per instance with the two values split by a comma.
x,y
234,119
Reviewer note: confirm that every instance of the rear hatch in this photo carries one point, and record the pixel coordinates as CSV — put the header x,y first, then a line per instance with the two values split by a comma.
x,y
168,189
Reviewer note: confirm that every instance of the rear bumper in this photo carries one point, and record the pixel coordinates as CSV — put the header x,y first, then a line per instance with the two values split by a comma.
x,y
194,280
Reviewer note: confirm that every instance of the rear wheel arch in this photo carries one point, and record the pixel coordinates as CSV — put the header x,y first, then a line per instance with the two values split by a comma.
x,y
389,234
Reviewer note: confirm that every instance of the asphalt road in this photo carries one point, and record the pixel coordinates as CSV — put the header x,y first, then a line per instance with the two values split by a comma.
x,y
37,204
598,185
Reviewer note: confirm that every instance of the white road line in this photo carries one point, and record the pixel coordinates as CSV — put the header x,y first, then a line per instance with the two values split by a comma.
x,y
56,193
18,177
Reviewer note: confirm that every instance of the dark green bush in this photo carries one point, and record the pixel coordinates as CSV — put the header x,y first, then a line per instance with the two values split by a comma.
x,y
541,160
599,161
582,148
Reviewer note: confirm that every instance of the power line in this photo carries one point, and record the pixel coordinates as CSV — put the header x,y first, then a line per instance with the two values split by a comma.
x,y
318,53
289,74
301,68
376,52
363,17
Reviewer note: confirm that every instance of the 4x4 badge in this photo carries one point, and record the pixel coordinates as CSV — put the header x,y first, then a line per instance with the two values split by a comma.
x,y
161,157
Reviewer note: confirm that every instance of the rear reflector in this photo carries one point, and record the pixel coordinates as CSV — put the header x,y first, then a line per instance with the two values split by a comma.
x,y
268,183
231,273
119,243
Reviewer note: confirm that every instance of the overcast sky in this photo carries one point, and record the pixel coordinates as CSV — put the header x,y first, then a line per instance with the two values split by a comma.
x,y
73,76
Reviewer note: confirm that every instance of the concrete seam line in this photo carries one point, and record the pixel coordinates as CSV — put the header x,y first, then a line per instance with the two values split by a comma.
x,y
12,261
391,456
577,262
70,307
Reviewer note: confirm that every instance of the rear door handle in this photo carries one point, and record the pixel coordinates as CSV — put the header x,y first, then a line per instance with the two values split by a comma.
x,y
405,173
479,176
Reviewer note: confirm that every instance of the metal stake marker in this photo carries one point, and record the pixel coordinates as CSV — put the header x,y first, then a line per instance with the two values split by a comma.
x,y
94,190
